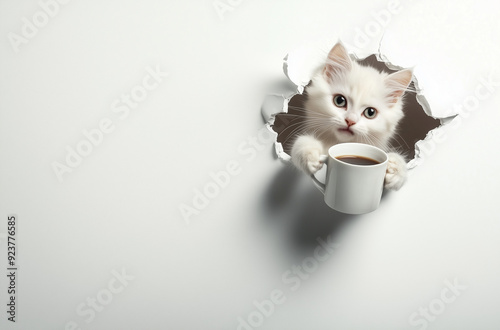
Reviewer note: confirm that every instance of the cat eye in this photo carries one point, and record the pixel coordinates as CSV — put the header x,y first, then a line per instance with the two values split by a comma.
x,y
340,101
370,113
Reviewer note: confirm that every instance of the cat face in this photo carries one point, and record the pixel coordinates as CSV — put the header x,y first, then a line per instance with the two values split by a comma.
x,y
354,103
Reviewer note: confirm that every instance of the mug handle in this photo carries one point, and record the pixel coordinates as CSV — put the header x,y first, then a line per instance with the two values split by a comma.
x,y
320,185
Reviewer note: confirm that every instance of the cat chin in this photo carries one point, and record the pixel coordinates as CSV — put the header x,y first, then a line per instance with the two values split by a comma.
x,y
346,137
346,132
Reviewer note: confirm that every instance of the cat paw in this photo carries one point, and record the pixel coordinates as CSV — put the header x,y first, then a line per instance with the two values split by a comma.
x,y
315,161
396,173
307,154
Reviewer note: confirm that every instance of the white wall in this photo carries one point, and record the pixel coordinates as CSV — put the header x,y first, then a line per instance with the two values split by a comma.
x,y
116,210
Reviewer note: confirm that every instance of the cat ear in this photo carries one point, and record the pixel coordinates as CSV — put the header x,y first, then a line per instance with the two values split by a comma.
x,y
397,83
337,63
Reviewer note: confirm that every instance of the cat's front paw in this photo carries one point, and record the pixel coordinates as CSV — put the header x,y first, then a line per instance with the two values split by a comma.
x,y
396,173
307,154
315,161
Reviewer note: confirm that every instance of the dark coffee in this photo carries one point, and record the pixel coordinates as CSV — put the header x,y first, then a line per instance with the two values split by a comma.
x,y
357,160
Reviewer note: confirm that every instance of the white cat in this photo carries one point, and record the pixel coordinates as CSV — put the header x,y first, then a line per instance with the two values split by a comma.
x,y
348,102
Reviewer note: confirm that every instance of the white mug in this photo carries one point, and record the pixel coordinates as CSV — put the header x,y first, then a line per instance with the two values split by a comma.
x,y
353,189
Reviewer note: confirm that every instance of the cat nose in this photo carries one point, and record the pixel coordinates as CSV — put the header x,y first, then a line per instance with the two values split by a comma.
x,y
349,122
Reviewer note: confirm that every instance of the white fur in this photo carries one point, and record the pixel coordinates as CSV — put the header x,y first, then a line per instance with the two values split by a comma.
x,y
362,87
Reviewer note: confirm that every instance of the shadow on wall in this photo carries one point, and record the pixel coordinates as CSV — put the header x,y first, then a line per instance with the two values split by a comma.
x,y
296,209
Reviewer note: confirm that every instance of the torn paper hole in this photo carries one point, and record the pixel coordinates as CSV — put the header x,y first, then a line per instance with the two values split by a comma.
x,y
283,115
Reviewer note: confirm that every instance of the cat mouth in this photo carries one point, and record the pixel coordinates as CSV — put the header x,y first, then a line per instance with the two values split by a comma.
x,y
346,130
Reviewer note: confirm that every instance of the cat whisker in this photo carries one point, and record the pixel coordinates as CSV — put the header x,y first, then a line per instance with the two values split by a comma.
x,y
372,139
401,139
307,124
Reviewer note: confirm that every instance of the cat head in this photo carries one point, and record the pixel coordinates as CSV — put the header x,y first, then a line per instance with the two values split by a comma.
x,y
355,103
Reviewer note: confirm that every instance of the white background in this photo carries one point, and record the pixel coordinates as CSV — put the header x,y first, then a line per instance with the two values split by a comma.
x,y
118,210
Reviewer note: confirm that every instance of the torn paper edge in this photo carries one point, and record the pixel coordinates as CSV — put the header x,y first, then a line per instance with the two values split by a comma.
x,y
269,113
300,82
432,135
